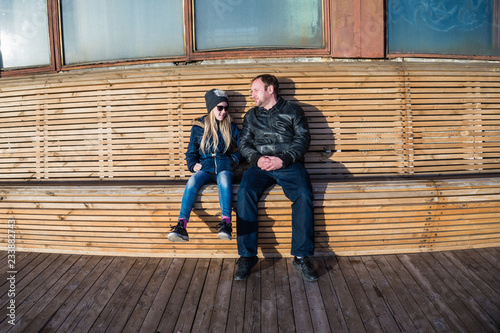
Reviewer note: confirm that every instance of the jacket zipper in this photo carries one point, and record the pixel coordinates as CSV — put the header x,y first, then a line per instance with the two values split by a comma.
x,y
214,155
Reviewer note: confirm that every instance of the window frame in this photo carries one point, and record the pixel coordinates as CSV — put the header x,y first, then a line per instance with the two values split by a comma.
x,y
53,22
358,10
255,52
56,54
395,55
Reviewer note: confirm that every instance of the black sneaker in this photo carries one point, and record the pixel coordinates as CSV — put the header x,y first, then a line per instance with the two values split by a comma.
x,y
179,233
305,266
225,231
244,268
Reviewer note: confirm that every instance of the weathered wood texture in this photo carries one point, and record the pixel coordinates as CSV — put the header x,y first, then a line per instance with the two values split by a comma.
x,y
366,119
358,29
352,218
432,292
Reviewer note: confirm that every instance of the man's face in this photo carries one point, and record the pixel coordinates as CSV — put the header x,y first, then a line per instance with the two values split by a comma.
x,y
261,95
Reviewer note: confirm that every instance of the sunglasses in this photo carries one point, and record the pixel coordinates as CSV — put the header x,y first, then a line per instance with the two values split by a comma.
x,y
221,108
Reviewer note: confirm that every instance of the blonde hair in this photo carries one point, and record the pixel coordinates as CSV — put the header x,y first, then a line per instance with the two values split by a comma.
x,y
210,132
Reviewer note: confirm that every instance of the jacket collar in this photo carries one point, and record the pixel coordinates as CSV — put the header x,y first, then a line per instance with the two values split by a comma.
x,y
200,122
276,107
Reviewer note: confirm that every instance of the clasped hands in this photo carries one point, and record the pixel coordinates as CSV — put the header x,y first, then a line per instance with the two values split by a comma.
x,y
266,163
270,163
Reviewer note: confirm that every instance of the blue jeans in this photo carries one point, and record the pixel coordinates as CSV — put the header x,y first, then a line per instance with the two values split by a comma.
x,y
197,180
297,187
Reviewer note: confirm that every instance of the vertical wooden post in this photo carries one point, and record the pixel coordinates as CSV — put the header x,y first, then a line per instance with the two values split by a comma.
x,y
358,29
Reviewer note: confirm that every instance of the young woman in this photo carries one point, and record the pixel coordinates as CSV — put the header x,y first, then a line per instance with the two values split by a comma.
x,y
210,156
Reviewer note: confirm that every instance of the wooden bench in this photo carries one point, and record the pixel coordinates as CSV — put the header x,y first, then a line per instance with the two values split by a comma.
x,y
352,217
404,157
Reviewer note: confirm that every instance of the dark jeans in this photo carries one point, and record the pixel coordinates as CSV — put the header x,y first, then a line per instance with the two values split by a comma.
x,y
297,187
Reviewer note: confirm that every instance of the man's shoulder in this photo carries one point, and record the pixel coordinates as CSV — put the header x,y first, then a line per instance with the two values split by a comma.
x,y
251,112
289,106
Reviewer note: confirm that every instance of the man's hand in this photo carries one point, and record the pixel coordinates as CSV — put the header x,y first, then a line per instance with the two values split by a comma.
x,y
270,163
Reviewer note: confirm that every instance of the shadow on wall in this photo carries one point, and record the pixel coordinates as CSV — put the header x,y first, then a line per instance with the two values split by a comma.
x,y
318,159
318,162
238,107
320,167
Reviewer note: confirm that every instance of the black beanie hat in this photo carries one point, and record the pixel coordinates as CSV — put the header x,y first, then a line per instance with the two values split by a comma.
x,y
214,97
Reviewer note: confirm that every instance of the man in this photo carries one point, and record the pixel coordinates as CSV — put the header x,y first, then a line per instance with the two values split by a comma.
x,y
274,139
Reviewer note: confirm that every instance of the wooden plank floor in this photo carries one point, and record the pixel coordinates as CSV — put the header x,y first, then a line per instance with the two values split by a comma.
x,y
455,291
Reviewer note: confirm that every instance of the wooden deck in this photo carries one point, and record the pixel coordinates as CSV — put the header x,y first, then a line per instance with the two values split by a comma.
x,y
456,291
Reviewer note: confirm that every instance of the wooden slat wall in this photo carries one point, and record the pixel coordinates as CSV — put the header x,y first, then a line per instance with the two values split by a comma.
x,y
455,119
351,218
367,119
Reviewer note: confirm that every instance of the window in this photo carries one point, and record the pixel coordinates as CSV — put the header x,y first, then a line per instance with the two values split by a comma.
x,y
229,24
50,35
24,34
447,27
106,30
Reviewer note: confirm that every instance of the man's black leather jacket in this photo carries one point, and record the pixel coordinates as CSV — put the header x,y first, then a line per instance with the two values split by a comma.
x,y
281,131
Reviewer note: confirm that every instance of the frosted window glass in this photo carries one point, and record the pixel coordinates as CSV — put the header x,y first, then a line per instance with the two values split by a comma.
x,y
24,33
224,24
449,27
104,30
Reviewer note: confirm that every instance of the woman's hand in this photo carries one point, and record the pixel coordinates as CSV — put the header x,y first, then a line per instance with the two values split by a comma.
x,y
197,167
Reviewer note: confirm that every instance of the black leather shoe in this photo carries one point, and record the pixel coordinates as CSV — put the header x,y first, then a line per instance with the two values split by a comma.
x,y
305,266
244,268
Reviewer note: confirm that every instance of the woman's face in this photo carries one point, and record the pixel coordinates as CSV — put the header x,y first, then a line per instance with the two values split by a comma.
x,y
220,111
